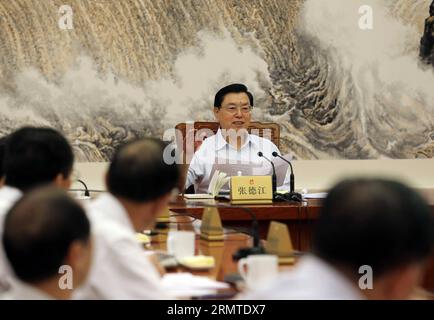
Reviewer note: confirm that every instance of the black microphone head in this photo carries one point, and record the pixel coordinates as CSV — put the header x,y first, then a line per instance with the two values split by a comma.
x,y
260,154
275,154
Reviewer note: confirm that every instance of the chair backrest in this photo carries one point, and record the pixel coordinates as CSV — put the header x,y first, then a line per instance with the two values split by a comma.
x,y
200,130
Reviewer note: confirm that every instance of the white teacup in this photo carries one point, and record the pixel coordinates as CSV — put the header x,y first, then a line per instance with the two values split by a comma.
x,y
181,244
260,268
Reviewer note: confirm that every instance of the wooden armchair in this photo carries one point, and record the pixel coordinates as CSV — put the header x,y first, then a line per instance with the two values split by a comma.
x,y
200,130
196,132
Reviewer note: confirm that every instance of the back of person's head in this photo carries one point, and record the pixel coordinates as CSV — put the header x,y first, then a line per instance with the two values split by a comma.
x,y
36,156
380,223
232,88
2,156
45,230
140,173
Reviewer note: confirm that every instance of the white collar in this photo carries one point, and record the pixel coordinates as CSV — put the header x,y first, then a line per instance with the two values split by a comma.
x,y
24,291
10,193
110,208
329,276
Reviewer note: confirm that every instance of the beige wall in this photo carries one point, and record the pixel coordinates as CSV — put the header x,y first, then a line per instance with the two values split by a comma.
x,y
315,174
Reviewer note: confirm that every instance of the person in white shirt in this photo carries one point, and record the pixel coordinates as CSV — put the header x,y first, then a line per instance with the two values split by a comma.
x,y
33,157
232,143
371,241
140,184
47,241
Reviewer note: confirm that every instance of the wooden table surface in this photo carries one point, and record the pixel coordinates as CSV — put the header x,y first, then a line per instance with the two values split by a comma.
x,y
300,218
277,210
224,263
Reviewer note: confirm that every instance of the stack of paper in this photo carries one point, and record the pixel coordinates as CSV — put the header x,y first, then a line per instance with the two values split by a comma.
x,y
319,195
143,238
198,196
218,180
187,285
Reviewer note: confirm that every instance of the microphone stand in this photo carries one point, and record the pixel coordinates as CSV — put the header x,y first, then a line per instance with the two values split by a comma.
x,y
273,177
292,196
86,190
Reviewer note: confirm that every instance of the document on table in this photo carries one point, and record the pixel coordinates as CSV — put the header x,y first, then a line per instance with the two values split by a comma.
x,y
319,195
185,285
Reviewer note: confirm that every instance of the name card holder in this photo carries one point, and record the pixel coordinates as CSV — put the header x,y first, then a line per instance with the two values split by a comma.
x,y
211,229
161,229
251,190
164,217
279,243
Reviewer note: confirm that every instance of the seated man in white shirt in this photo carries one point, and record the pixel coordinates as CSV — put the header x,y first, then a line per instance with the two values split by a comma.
x,y
371,241
47,241
140,184
33,157
232,142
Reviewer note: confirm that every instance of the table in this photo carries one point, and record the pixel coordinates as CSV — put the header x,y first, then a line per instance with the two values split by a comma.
x,y
224,264
300,218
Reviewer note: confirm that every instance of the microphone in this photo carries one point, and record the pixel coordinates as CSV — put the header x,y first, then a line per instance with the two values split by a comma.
x,y
294,196
242,252
273,177
86,190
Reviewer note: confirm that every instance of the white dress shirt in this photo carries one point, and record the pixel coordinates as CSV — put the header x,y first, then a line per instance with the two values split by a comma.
x,y
121,268
23,291
216,147
311,279
8,196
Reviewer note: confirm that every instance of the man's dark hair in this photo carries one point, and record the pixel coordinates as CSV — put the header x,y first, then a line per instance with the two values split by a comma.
x,y
2,155
374,222
232,88
139,171
36,156
38,232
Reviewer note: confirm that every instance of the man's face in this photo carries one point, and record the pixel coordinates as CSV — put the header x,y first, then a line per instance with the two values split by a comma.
x,y
234,112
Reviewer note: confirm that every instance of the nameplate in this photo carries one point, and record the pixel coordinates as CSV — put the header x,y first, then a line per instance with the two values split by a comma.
x,y
278,240
251,190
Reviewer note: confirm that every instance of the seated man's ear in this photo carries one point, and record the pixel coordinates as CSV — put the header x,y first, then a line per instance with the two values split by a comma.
x,y
61,182
401,283
216,112
79,258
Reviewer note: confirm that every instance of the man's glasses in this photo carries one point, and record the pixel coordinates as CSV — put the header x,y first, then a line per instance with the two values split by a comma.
x,y
234,109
